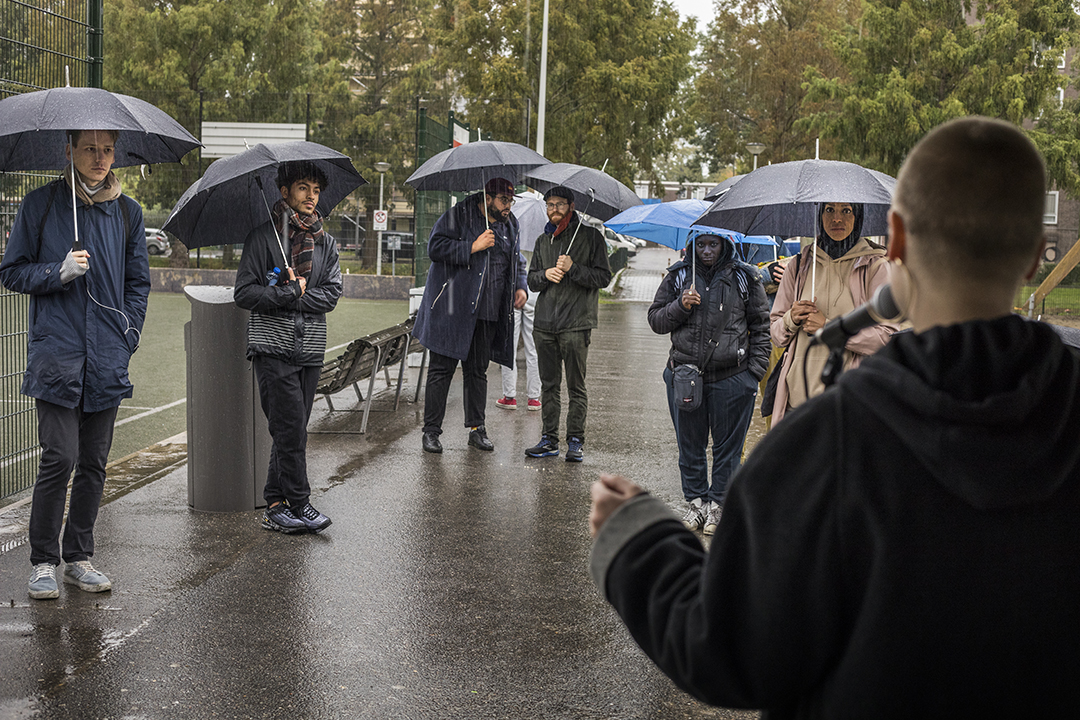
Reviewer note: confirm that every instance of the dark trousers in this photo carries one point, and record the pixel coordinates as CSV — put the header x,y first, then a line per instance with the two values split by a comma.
x,y
286,393
554,352
726,408
70,439
474,377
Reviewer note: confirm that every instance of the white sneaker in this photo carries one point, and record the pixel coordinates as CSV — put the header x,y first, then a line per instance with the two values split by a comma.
x,y
694,518
43,582
83,575
712,518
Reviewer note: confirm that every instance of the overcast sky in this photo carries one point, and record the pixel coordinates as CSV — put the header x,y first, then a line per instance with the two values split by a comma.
x,y
702,9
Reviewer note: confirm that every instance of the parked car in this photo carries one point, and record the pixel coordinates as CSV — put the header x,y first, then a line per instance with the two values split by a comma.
x,y
157,242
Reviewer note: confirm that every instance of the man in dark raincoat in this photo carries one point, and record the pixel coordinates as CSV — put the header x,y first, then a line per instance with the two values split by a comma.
x,y
87,306
476,279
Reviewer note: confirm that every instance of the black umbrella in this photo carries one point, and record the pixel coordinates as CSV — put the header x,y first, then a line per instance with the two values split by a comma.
x,y
235,194
722,188
33,128
782,199
469,166
595,192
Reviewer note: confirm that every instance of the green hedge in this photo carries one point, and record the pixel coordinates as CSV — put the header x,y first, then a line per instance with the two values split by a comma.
x,y
1073,278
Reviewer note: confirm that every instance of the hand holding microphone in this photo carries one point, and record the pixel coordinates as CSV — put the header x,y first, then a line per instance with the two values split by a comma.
x,y
882,308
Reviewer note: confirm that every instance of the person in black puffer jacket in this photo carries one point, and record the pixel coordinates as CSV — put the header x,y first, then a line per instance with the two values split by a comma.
x,y
718,316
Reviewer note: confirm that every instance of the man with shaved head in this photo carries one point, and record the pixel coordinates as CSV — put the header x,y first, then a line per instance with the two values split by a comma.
x,y
904,545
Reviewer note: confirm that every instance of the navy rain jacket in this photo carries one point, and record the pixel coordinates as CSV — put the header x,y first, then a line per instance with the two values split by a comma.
x,y
447,316
78,350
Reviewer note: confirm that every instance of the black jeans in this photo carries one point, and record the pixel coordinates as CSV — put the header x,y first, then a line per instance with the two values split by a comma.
x,y
474,377
554,351
286,393
70,439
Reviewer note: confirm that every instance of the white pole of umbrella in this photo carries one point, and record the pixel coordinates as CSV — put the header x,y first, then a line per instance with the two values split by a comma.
x,y
542,112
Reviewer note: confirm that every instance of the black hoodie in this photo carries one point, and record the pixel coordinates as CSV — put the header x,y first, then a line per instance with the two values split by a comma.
x,y
906,545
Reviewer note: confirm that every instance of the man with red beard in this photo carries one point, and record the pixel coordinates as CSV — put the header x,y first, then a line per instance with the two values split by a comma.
x,y
569,266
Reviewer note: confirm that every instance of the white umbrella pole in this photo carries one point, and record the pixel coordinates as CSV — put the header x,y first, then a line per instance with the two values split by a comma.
x,y
74,216
284,222
813,274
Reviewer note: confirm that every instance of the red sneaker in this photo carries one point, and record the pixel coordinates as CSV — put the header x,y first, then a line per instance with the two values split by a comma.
x,y
534,404
507,402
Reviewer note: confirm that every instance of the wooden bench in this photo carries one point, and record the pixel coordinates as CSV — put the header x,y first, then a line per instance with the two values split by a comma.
x,y
365,358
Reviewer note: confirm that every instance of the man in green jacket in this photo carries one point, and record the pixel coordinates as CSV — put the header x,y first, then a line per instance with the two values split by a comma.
x,y
569,266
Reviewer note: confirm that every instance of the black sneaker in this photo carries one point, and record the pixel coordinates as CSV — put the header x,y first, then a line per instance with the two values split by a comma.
x,y
573,449
547,447
281,518
478,439
312,518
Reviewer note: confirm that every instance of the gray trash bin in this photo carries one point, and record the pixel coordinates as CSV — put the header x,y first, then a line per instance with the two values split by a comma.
x,y
228,441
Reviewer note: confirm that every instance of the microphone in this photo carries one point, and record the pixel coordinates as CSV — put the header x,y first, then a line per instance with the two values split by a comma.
x,y
881,308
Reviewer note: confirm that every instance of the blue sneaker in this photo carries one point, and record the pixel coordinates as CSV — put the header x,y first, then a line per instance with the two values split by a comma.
x,y
314,520
281,518
573,449
82,574
547,447
43,582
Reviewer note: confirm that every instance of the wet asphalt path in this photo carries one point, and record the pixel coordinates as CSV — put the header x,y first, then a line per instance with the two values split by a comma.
x,y
450,586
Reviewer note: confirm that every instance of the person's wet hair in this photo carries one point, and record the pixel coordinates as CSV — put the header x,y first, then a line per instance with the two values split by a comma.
x,y
76,135
290,172
972,192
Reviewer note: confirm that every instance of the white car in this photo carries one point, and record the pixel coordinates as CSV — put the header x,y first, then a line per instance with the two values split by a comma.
x,y
157,242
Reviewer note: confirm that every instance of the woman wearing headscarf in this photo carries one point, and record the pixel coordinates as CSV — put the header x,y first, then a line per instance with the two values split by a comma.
x,y
715,308
837,273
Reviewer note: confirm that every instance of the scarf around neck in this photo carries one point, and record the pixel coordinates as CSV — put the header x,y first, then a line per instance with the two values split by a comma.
x,y
556,230
108,190
304,232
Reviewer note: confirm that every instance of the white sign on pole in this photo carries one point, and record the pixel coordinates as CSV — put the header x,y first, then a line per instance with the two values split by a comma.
x,y
380,220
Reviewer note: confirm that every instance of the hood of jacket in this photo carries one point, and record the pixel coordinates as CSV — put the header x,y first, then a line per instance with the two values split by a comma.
x,y
730,252
990,408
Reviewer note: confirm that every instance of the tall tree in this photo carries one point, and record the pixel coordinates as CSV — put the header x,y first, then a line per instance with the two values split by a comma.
x,y
750,87
614,72
390,63
910,66
205,58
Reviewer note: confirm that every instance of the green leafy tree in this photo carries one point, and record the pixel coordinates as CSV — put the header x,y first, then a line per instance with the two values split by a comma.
x,y
615,68
909,66
204,58
390,61
750,87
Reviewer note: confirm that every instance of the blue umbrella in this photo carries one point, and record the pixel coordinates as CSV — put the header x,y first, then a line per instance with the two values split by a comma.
x,y
670,223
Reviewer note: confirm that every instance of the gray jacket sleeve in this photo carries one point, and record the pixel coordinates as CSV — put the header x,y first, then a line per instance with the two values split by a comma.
x,y
631,518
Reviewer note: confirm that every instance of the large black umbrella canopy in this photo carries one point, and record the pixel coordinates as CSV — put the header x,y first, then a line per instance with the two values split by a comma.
x,y
782,199
722,188
233,196
595,192
33,128
469,166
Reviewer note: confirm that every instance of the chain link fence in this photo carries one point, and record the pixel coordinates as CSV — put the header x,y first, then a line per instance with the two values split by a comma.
x,y
42,45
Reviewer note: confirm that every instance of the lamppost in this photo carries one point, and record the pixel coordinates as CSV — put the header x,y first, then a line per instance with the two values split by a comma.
x,y
381,168
755,149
